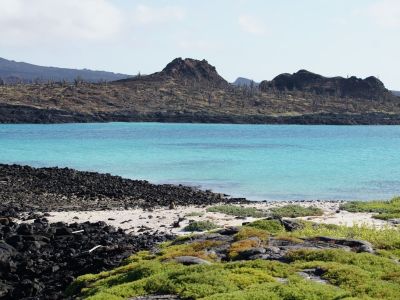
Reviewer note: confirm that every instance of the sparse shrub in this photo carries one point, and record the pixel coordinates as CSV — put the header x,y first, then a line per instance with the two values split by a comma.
x,y
241,246
384,209
383,238
272,226
195,214
288,238
200,226
294,211
238,211
248,232
197,249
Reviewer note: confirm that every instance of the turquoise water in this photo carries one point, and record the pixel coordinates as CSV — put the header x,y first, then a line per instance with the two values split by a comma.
x,y
254,161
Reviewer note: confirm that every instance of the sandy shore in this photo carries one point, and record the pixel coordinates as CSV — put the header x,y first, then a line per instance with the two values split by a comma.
x,y
161,219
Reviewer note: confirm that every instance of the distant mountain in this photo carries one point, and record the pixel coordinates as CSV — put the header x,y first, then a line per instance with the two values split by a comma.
x,y
305,81
241,81
396,93
20,72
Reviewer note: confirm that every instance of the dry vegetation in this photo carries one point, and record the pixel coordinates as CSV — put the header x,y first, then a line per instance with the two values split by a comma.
x,y
175,97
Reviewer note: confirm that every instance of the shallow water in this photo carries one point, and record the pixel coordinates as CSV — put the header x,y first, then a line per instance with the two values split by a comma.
x,y
280,162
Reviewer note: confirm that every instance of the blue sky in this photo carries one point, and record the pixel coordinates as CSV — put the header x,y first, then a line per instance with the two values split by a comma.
x,y
258,39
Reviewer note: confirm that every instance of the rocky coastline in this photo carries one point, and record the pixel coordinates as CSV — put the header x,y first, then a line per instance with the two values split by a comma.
x,y
27,189
40,259
58,223
23,114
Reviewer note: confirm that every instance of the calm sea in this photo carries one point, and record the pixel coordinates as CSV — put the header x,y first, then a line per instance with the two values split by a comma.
x,y
259,162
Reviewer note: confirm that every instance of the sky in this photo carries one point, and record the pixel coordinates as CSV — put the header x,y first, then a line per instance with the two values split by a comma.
x,y
257,39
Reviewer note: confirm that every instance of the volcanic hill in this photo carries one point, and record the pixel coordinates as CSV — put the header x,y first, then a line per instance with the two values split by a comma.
x,y
189,90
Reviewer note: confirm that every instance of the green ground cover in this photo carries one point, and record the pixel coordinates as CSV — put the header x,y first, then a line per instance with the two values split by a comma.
x,y
295,211
238,211
347,275
384,209
200,226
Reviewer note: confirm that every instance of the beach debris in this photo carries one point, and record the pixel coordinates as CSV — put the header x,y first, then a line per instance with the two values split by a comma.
x,y
94,248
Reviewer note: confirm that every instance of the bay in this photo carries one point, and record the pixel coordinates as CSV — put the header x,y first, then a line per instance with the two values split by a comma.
x,y
259,162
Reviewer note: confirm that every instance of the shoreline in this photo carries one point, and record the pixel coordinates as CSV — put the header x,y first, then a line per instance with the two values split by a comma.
x,y
173,221
69,196
24,114
65,189
58,224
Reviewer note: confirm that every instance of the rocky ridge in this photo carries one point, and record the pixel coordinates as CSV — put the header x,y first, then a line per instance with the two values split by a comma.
x,y
369,88
12,72
189,90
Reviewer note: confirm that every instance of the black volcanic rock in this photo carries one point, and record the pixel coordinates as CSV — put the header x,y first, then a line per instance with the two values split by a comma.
x,y
26,189
41,263
241,81
303,80
193,69
186,71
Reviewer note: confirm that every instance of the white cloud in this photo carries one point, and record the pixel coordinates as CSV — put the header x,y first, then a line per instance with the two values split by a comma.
x,y
385,13
27,21
146,15
252,24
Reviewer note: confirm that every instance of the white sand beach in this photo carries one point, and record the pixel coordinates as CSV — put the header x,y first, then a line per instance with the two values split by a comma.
x,y
161,219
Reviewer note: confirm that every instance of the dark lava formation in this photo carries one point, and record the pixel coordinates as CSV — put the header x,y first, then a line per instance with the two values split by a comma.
x,y
27,189
39,260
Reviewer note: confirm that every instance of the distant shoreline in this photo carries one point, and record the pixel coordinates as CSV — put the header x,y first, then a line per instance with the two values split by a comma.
x,y
21,114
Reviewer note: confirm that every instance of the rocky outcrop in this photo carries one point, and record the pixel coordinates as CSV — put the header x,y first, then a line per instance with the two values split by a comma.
x,y
305,81
275,248
245,82
27,189
192,69
186,71
40,260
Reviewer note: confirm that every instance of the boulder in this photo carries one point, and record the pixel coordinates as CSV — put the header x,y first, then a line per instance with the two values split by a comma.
x,y
6,252
229,230
292,224
394,221
355,245
248,253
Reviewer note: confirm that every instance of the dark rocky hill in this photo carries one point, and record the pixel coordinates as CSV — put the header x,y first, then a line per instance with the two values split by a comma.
x,y
189,90
241,81
186,71
396,93
305,81
12,72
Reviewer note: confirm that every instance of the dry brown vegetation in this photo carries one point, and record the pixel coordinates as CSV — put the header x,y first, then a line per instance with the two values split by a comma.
x,y
180,98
